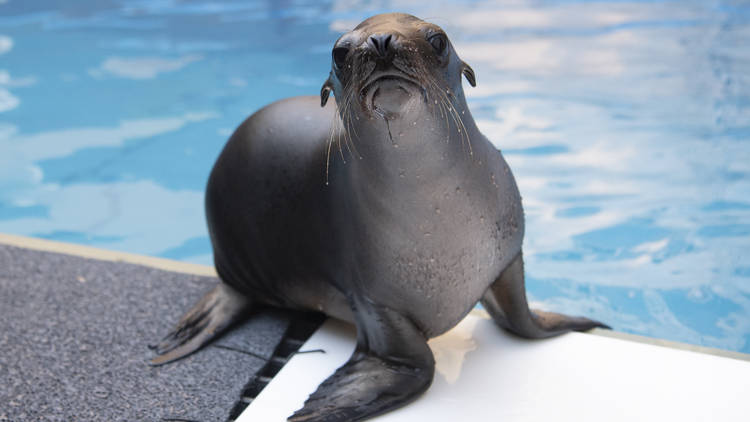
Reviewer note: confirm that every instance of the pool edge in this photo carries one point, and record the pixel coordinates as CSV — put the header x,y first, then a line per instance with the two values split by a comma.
x,y
204,270
637,338
653,341
105,255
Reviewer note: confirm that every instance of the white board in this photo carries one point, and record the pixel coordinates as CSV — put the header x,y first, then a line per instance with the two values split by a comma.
x,y
485,374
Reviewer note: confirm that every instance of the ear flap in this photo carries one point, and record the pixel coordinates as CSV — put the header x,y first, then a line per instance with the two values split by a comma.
x,y
325,92
469,73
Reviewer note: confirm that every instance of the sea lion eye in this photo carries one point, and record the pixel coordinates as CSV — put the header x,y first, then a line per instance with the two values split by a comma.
x,y
438,42
339,56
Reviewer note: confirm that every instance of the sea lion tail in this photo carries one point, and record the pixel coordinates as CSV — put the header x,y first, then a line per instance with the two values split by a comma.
x,y
211,316
505,300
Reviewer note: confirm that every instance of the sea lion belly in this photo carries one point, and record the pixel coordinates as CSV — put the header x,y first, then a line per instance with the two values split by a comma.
x,y
430,244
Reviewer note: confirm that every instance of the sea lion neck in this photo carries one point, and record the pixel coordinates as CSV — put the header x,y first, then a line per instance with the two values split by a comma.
x,y
416,148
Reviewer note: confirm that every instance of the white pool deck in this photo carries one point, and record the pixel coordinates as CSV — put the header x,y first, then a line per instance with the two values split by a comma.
x,y
486,374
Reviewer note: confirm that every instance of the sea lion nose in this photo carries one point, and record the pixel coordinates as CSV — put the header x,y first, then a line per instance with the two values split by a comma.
x,y
381,43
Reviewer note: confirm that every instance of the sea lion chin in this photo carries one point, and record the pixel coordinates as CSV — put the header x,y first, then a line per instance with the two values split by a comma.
x,y
391,96
402,241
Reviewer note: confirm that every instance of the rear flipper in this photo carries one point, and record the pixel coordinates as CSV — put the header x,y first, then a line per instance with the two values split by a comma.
x,y
505,301
391,366
213,314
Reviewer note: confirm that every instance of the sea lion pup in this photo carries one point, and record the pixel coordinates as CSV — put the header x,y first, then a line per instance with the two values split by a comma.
x,y
390,210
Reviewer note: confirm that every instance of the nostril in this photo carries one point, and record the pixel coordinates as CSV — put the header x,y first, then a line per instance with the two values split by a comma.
x,y
381,43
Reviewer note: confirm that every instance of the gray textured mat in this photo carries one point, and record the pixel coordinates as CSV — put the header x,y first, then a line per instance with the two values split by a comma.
x,y
73,336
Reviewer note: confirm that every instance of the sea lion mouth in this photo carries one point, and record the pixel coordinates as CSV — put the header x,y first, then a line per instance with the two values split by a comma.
x,y
388,94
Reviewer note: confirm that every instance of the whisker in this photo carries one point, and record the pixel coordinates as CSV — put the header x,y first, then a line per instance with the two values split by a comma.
x,y
353,129
459,121
350,127
330,141
448,108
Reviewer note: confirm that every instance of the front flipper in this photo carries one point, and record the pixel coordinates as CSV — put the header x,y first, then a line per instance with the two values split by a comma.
x,y
505,301
391,366
213,314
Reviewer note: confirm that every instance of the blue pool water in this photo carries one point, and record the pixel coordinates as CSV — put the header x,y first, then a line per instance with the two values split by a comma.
x,y
627,125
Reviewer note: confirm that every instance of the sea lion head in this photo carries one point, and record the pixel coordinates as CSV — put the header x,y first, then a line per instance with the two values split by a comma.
x,y
392,64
